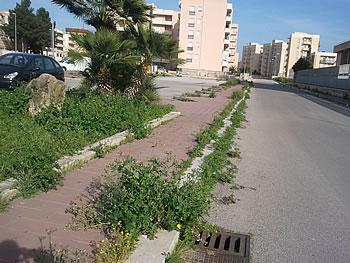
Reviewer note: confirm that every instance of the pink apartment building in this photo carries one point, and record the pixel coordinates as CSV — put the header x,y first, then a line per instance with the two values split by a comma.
x,y
207,37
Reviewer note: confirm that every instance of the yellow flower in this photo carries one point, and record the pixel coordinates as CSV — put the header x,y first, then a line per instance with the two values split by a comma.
x,y
178,226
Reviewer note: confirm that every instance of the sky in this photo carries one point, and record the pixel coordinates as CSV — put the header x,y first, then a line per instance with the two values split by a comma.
x,y
260,21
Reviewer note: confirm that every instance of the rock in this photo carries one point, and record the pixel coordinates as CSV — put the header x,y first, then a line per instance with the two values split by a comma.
x,y
8,195
46,91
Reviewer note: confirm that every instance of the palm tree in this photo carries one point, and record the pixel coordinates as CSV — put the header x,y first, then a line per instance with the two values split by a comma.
x,y
107,13
112,59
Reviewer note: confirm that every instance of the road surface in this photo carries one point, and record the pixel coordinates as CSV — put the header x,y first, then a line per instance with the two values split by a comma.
x,y
296,165
167,87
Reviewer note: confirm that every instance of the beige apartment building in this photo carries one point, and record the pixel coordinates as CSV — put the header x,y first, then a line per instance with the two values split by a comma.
x,y
205,36
252,57
301,45
265,60
324,59
233,46
166,21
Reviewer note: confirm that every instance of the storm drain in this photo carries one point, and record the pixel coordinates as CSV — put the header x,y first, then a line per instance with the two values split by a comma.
x,y
222,247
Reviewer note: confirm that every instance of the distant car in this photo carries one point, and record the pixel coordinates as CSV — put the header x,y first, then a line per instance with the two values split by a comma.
x,y
81,66
22,67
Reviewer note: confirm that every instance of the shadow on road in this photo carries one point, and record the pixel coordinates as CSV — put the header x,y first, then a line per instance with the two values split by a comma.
x,y
271,85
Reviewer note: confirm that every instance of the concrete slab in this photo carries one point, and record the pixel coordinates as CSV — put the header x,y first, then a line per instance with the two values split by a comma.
x,y
155,251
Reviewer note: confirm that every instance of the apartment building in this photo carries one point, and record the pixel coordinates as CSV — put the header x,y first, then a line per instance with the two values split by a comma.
x,y
205,36
166,21
301,45
5,44
324,59
266,60
233,46
68,43
252,57
343,52
274,59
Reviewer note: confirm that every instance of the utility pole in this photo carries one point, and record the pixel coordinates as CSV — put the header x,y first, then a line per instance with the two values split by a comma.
x,y
15,32
53,38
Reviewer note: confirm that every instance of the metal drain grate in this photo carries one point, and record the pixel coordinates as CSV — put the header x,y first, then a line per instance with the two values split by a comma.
x,y
222,247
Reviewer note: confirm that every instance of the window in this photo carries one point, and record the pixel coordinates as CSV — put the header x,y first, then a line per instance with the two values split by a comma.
x,y
190,37
189,48
168,18
189,58
38,63
192,11
48,64
56,64
200,9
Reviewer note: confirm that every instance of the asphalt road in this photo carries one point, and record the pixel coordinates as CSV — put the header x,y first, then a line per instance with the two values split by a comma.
x,y
167,87
296,163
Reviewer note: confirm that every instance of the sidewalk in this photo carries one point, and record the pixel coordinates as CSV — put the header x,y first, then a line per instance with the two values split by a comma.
x,y
27,220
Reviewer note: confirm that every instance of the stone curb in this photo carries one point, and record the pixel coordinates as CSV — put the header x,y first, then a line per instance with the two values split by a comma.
x,y
88,153
156,251
8,190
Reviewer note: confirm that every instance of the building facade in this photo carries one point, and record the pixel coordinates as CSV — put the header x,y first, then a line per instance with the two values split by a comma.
x,y
274,59
343,53
205,36
301,45
324,59
233,47
252,58
166,21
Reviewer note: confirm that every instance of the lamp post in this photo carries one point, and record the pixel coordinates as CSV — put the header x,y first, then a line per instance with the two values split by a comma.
x,y
15,32
53,38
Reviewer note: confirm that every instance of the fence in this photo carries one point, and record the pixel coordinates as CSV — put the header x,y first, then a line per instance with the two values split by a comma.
x,y
334,77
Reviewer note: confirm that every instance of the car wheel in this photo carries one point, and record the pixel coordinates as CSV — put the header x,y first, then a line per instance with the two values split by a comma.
x,y
64,68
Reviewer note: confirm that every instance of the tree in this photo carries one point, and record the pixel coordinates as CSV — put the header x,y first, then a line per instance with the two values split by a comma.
x,y
107,13
41,37
33,30
302,64
25,24
113,59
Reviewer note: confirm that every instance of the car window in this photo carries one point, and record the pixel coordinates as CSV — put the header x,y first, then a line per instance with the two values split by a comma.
x,y
48,64
56,64
38,63
18,60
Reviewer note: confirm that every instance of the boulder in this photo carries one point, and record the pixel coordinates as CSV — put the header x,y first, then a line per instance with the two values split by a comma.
x,y
46,91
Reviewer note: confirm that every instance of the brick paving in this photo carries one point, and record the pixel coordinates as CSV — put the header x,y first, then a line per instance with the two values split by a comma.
x,y
28,219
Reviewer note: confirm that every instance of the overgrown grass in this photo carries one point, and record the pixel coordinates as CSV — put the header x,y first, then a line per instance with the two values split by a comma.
x,y
30,146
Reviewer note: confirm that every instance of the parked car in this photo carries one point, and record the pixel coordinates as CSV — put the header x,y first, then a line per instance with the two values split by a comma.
x,y
22,67
81,66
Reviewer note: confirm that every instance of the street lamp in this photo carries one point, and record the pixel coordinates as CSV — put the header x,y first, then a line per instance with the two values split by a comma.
x,y
15,32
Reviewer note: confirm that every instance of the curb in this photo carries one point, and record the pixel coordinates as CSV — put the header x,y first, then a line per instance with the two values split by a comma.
x,y
89,153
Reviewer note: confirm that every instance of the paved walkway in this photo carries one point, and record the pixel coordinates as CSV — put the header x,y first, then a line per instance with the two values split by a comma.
x,y
27,220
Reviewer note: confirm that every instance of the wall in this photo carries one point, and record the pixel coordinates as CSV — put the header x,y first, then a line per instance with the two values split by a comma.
x,y
334,77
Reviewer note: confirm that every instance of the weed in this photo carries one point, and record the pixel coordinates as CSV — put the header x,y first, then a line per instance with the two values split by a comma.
x,y
99,152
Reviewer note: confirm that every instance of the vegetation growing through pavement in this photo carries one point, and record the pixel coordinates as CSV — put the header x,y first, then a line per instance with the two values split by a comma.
x,y
137,198
281,79
30,146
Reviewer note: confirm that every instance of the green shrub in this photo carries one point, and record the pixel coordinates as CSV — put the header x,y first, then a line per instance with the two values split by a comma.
x,y
281,79
146,198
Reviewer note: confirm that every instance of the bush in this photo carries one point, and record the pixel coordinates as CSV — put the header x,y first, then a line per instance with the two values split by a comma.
x,y
281,79
147,198
30,147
